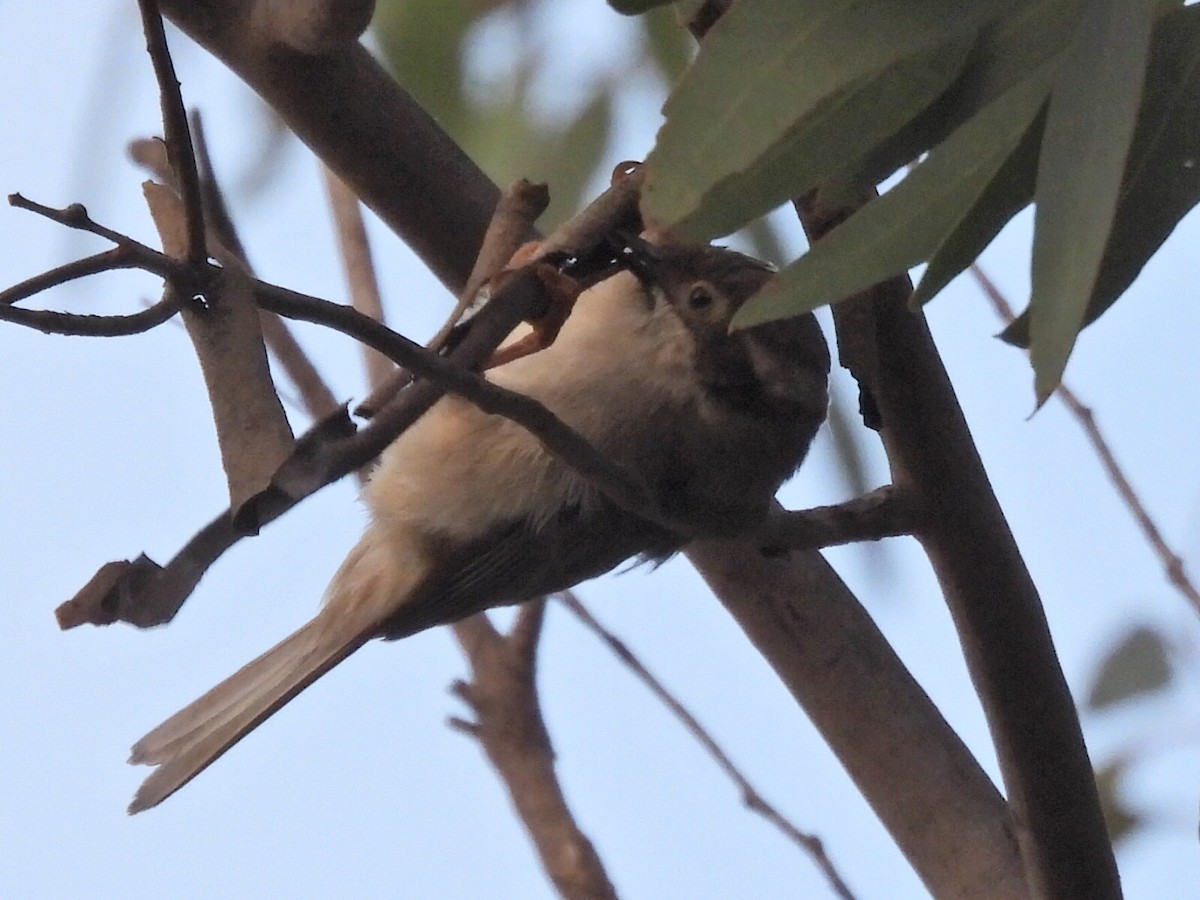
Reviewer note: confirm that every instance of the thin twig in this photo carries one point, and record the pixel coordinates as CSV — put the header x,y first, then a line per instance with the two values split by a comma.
x,y
619,485
76,324
1171,561
512,220
809,843
885,512
175,130
106,261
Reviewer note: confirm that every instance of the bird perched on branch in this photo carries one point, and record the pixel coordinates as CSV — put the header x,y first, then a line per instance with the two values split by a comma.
x,y
469,511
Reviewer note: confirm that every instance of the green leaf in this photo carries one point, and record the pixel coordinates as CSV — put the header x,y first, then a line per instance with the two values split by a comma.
x,y
635,7
909,223
1089,126
1138,665
669,45
764,69
1005,52
1162,175
869,109
1009,191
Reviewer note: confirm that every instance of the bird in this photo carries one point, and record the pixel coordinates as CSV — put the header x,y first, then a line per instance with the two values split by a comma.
x,y
468,511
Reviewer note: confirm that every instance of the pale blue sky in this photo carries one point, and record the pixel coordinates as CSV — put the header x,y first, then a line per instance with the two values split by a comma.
x,y
358,788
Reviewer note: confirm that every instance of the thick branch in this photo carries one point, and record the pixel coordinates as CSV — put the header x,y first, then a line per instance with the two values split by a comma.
x,y
376,138
995,605
920,779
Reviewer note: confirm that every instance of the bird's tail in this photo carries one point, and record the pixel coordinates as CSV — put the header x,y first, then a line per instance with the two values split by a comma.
x,y
366,585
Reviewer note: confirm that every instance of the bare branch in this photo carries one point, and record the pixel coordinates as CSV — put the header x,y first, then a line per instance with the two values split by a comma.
x,y
377,139
106,261
509,726
175,130
809,843
1002,626
886,512
51,322
1171,561
512,222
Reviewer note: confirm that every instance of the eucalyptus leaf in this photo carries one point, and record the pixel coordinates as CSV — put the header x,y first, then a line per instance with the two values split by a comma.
x,y
1162,175
1089,127
909,223
670,46
764,68
869,110
1009,191
1006,50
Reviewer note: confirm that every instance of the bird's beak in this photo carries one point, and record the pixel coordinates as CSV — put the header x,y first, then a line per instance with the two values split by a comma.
x,y
639,257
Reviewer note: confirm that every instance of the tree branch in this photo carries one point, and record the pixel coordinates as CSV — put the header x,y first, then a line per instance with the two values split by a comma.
x,y
175,130
374,137
886,512
76,324
508,724
1006,641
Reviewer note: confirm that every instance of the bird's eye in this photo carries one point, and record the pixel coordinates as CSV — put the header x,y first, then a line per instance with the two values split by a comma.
x,y
699,298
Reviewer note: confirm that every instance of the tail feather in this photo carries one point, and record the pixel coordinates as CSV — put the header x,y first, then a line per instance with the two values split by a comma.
x,y
194,738
374,580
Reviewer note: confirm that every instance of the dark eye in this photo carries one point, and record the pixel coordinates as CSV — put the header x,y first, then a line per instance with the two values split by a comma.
x,y
699,298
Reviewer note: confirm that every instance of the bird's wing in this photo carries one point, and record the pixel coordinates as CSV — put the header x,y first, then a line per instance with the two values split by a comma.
x,y
522,559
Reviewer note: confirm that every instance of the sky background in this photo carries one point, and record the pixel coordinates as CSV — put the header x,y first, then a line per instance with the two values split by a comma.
x,y
358,788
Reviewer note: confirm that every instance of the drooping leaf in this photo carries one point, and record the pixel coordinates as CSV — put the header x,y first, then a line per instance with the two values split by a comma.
x,y
1162,175
909,223
669,45
1089,126
1005,52
870,109
1139,664
766,67
1009,191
